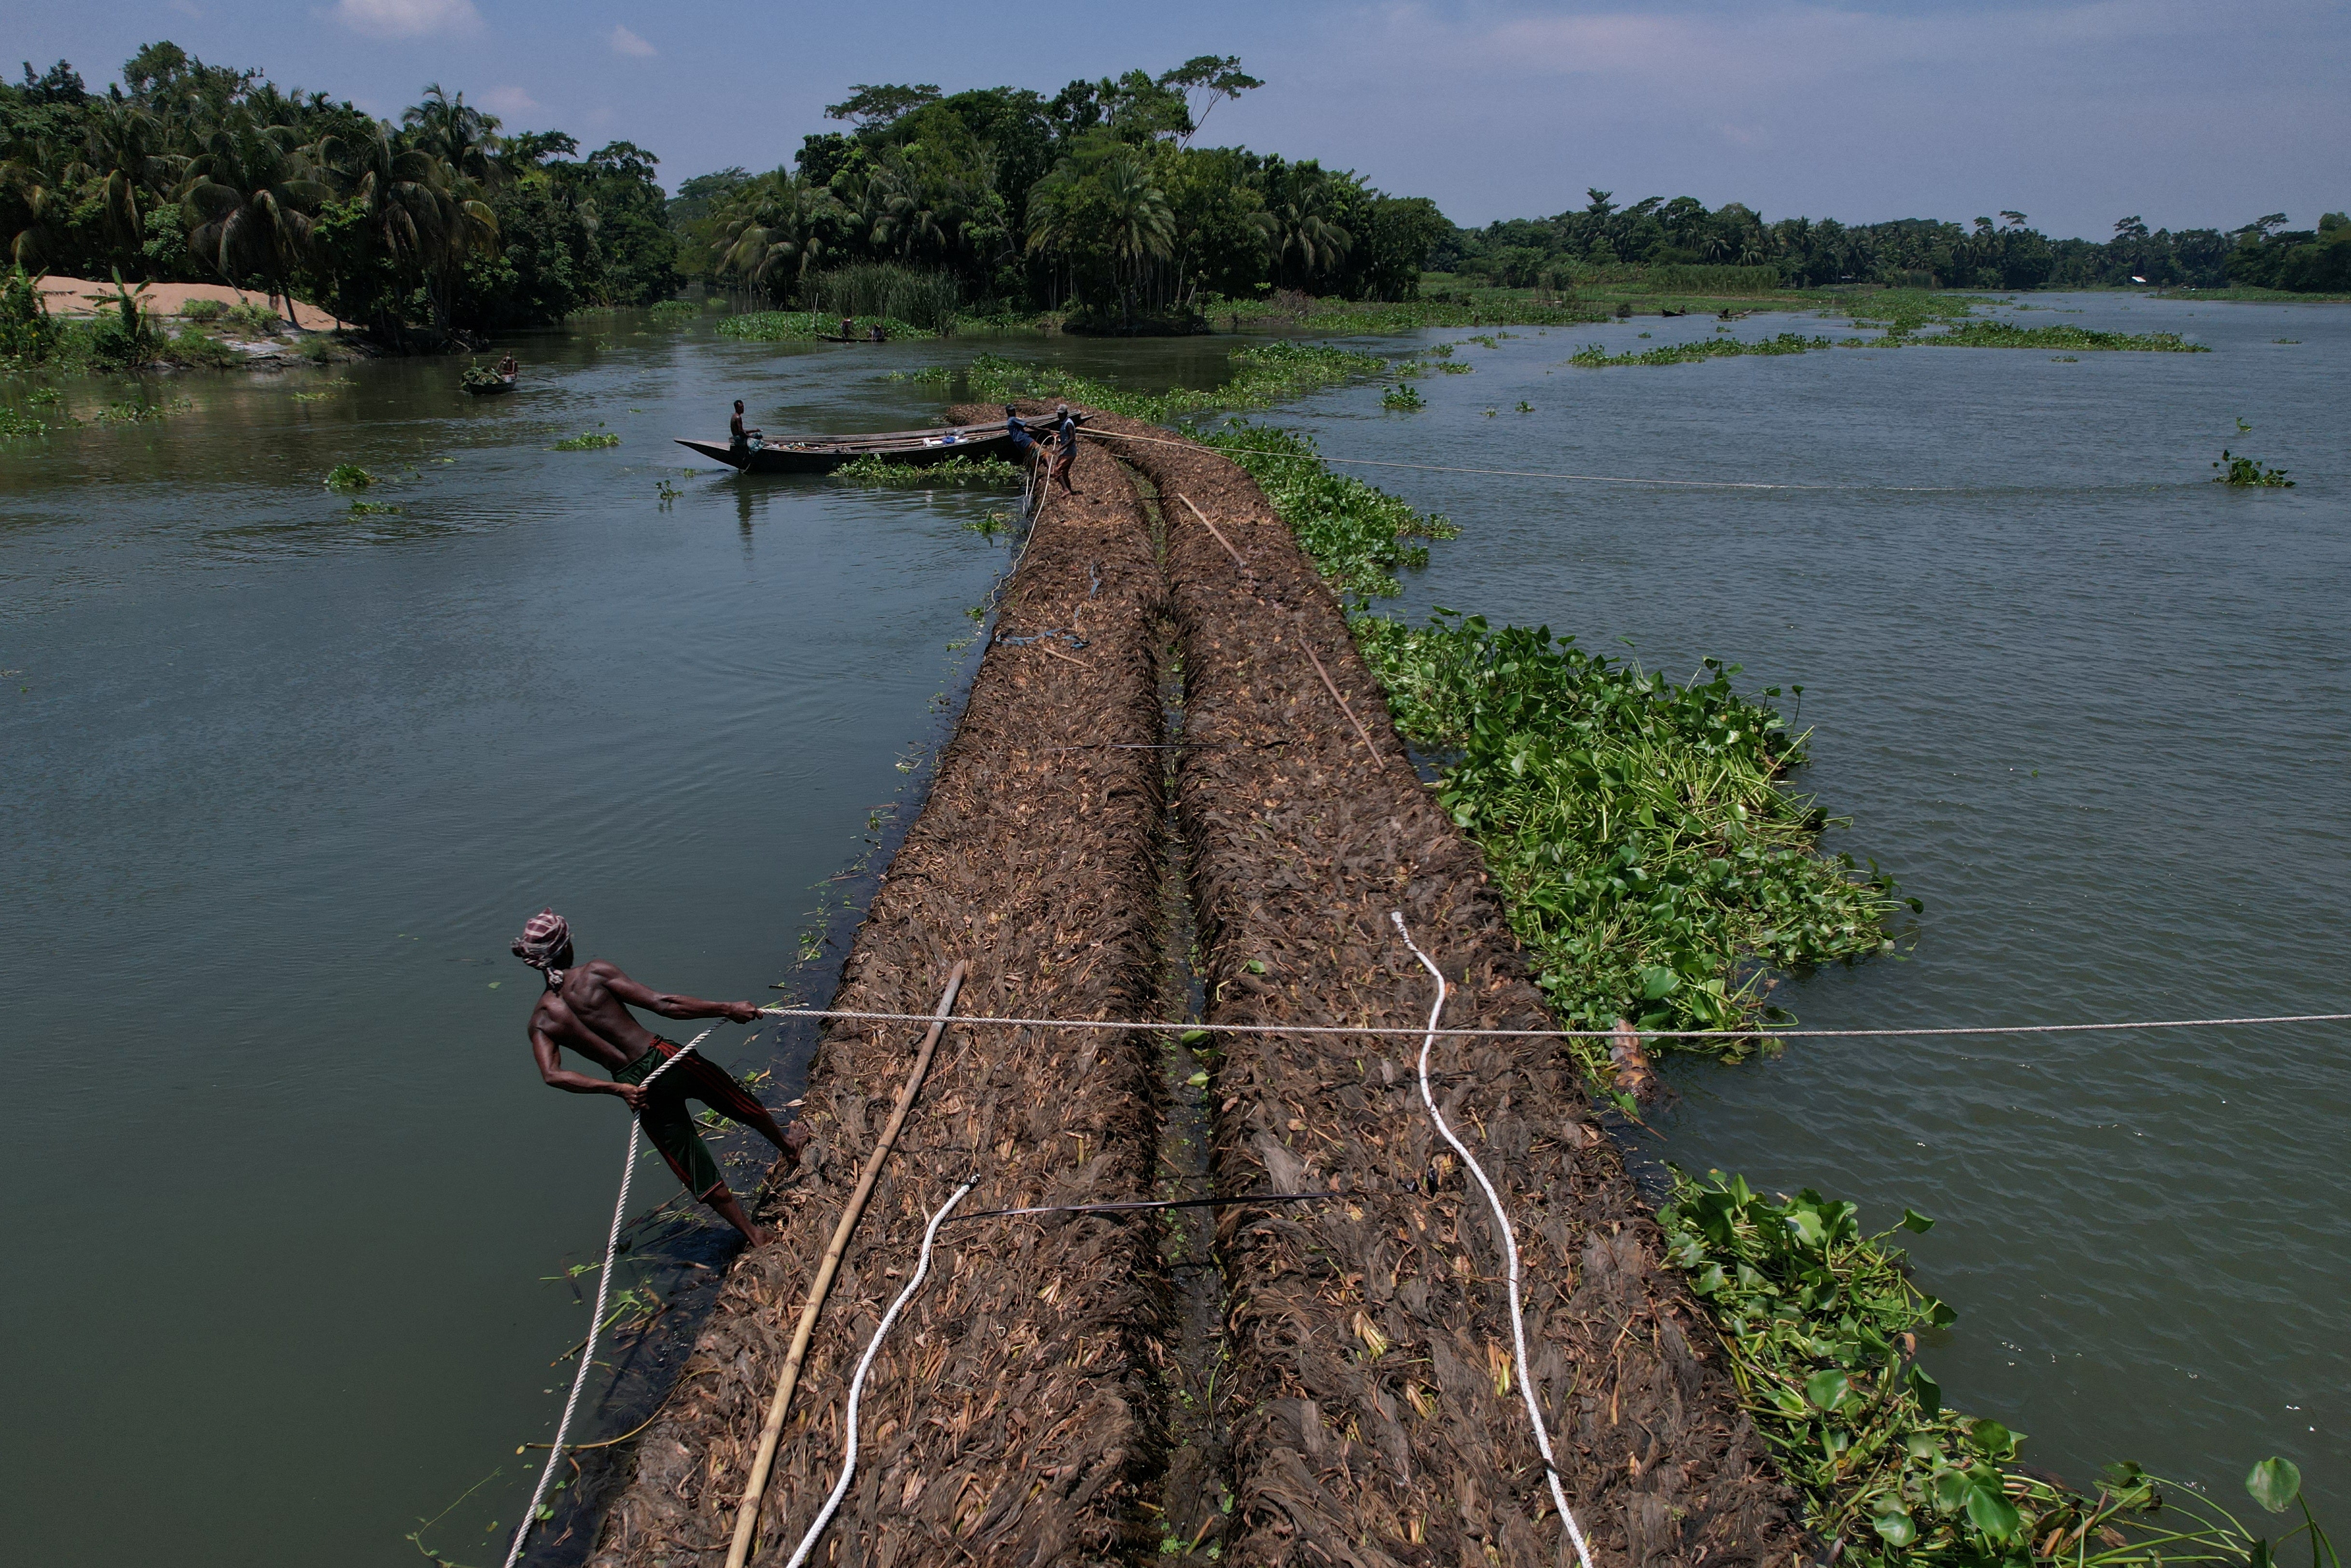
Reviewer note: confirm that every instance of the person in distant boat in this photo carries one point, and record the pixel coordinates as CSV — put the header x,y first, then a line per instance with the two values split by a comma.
x,y
876,335
1065,447
585,1009
508,368
739,438
849,329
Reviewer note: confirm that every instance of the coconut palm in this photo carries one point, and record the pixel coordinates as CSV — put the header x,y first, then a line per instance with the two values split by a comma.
x,y
125,163
774,226
461,136
251,194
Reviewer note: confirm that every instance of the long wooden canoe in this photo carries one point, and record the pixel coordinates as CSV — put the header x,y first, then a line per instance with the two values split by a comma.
x,y
823,454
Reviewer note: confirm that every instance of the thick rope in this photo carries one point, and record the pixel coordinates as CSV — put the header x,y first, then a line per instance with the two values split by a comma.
x,y
1510,1249
595,1324
857,1384
1718,1034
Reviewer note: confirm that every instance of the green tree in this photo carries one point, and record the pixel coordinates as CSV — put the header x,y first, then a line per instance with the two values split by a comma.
x,y
250,194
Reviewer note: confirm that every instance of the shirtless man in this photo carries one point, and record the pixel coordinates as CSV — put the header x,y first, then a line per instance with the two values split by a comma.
x,y
586,1009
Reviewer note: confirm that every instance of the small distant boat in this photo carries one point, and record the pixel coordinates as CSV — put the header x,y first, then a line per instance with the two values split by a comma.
x,y
823,454
837,337
487,386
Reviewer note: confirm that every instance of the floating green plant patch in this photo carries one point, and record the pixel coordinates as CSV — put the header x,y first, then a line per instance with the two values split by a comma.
x,y
1596,355
588,441
2005,335
1359,536
2247,471
1455,368
1407,398
964,473
1820,1322
1637,829
349,476
372,508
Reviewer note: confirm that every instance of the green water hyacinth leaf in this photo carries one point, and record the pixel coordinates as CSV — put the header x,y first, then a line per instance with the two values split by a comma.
x,y
1992,1513
1193,1035
1828,1389
1658,982
1913,1220
1708,1281
1928,1393
1807,1226
1995,1439
2274,1484
1895,1529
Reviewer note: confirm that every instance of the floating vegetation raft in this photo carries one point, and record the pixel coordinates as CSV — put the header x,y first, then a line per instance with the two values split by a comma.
x,y
1263,375
1898,334
1371,1383
1637,828
2007,335
589,441
1360,537
966,472
349,476
1596,355
1820,1322
1012,1416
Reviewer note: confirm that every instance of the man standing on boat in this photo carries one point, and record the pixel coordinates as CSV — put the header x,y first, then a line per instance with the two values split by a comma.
x,y
586,1009
739,438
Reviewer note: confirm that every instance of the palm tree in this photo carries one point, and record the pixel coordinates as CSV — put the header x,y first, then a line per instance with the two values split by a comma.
x,y
1302,226
402,190
251,194
124,160
1137,222
776,223
46,209
458,134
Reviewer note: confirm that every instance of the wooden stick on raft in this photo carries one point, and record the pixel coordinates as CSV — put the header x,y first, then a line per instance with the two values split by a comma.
x,y
747,1516
1212,528
1331,686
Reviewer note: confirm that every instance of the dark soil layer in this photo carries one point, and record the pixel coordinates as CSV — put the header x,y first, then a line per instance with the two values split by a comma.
x,y
1376,1414
1012,1416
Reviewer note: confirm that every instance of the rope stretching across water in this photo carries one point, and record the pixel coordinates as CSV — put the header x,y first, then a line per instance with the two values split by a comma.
x,y
1529,474
595,1324
1510,1249
1716,1034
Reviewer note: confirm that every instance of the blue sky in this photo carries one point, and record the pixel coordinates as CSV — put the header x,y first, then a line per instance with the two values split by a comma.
x,y
2076,114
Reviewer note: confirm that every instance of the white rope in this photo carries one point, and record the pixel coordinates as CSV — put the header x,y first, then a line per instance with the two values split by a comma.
x,y
1529,474
1717,1034
857,1384
595,1324
1510,1249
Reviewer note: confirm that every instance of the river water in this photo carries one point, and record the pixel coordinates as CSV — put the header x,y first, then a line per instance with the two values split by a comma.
x,y
280,782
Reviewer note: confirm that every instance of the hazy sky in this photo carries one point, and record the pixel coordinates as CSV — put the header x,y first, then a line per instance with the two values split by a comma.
x,y
2076,114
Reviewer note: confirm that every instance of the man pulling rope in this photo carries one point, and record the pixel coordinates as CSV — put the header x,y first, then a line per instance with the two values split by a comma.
x,y
586,1007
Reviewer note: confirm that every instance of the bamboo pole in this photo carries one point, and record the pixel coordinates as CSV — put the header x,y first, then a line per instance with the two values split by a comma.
x,y
747,1516
1214,529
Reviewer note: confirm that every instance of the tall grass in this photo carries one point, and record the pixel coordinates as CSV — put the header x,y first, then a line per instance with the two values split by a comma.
x,y
1738,282
888,289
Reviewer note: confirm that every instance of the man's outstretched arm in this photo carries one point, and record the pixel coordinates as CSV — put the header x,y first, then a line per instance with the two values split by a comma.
x,y
557,1076
670,1005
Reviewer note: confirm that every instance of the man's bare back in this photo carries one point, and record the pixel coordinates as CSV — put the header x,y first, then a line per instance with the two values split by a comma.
x,y
585,1009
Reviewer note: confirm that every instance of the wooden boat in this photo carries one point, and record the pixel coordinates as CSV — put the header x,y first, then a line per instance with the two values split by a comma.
x,y
490,388
823,454
836,338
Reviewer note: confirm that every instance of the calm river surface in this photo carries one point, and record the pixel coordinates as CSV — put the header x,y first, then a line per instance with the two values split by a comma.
x,y
280,782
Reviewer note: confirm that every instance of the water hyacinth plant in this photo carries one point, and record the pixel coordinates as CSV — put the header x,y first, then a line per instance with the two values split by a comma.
x,y
588,441
2246,471
1358,537
1820,1323
1652,863
955,473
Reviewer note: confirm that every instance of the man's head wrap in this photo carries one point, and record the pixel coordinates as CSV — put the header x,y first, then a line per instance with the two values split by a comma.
x,y
544,935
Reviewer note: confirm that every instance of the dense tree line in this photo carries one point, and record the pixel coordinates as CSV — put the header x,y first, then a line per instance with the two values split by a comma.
x,y
1096,198
422,228
1991,252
